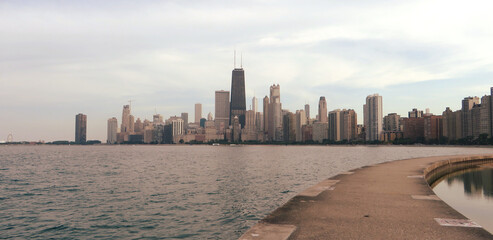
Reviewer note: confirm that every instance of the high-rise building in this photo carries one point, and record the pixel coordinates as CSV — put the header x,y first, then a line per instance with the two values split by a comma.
x,y
307,111
80,128
198,112
112,130
322,110
266,115
221,110
131,124
467,105
184,116
414,128
275,114
373,117
391,122
415,113
433,129
157,119
139,126
349,123
300,121
451,123
334,130
125,128
254,104
238,100
319,131
289,127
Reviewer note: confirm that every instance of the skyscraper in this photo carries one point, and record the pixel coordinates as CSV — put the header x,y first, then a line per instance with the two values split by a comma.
x,y
238,100
322,110
467,105
112,130
275,114
373,117
266,114
334,121
254,104
184,116
307,111
300,121
198,112
80,128
349,122
125,119
131,123
221,110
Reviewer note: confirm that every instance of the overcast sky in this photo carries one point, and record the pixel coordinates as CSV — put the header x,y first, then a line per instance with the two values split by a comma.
x,y
60,58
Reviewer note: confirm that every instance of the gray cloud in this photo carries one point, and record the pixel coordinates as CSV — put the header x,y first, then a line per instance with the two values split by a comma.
x,y
61,58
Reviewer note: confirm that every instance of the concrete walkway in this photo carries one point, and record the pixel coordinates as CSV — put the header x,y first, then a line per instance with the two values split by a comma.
x,y
385,201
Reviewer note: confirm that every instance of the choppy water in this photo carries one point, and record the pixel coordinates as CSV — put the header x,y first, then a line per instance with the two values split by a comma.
x,y
471,193
166,192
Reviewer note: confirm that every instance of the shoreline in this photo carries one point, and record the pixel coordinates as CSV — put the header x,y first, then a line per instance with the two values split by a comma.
x,y
387,200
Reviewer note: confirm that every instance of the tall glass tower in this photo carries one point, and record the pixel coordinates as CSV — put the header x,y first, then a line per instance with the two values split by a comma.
x,y
238,100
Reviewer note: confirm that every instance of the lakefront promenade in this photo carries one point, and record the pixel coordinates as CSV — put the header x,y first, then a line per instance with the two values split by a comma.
x,y
390,200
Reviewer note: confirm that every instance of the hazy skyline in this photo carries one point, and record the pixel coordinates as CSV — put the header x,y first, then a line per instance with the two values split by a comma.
x,y
58,59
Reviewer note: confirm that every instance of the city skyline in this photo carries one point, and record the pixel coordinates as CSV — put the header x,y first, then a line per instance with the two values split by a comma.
x,y
56,62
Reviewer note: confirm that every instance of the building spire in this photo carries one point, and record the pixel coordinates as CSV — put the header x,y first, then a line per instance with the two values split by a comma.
x,y
241,60
235,58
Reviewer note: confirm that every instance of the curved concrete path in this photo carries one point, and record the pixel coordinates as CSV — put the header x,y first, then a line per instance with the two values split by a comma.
x,y
384,201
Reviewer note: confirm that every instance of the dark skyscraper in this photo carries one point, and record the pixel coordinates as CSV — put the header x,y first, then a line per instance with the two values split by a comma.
x,y
238,100
80,128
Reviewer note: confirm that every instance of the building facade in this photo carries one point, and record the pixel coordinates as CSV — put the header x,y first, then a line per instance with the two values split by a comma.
x,y
112,130
80,128
221,110
238,100
373,117
322,110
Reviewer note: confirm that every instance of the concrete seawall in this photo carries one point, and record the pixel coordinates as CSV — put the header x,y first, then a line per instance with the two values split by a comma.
x,y
390,200
439,169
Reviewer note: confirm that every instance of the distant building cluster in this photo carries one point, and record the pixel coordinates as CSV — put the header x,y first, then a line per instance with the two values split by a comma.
x,y
270,123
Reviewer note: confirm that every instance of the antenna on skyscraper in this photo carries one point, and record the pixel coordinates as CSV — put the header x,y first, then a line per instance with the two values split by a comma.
x,y
130,104
234,59
241,59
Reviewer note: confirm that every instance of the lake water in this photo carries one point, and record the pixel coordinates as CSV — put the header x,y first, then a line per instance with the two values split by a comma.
x,y
471,193
166,192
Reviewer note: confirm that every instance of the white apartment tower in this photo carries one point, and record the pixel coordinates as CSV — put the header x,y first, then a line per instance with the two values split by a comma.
x,y
373,117
112,130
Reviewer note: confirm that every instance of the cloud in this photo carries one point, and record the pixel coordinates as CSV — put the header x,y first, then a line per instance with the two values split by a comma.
x,y
58,59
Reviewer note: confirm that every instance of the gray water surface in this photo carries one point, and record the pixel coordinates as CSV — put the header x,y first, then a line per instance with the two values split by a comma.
x,y
470,192
166,192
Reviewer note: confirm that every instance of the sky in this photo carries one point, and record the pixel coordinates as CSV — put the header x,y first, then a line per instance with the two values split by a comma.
x,y
61,58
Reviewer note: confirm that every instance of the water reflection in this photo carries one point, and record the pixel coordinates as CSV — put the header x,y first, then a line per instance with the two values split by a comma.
x,y
470,192
476,182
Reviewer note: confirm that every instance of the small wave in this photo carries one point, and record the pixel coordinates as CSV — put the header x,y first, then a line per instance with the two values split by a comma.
x,y
69,190
182,236
55,228
112,226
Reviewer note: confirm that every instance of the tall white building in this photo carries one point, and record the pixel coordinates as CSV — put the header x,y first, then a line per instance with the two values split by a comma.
x,y
198,112
254,104
112,130
373,117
